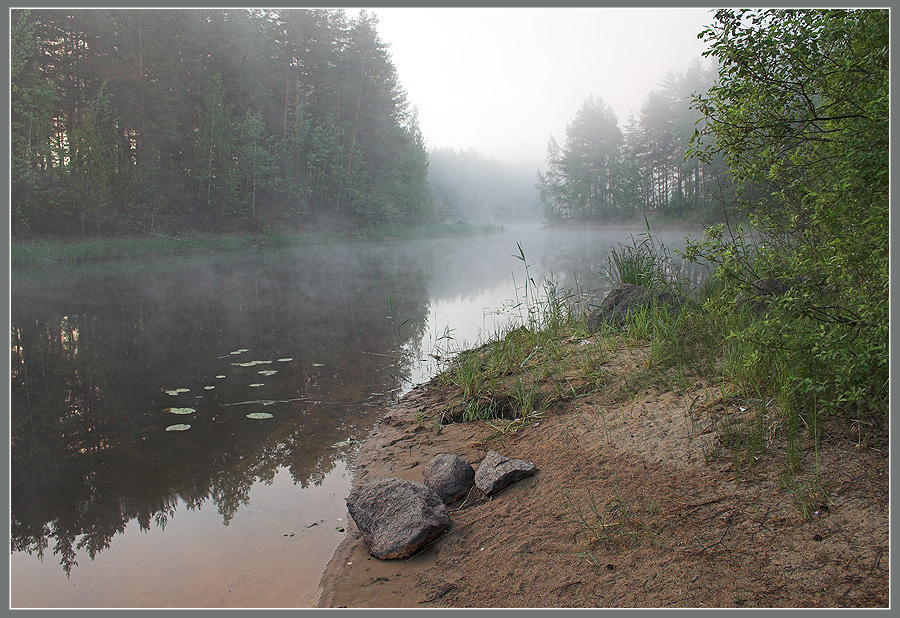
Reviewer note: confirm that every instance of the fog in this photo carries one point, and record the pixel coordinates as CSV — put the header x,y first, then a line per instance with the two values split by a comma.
x,y
503,80
471,188
339,328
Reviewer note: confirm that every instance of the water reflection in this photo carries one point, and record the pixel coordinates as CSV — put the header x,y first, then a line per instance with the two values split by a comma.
x,y
101,355
93,355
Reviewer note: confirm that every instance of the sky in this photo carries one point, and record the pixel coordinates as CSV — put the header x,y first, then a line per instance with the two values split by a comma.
x,y
502,81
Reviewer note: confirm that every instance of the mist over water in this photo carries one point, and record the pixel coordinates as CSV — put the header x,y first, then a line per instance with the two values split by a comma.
x,y
110,509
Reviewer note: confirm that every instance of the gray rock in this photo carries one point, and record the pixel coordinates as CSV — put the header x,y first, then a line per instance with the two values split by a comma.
x,y
449,476
497,471
762,293
397,517
628,298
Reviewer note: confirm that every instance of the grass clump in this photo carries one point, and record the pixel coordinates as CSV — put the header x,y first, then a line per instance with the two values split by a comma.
x,y
772,376
524,367
616,520
644,262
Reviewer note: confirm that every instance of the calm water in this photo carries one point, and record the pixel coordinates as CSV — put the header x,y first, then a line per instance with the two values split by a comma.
x,y
111,507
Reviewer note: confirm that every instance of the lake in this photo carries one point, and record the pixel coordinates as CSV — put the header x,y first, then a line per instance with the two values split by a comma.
x,y
182,428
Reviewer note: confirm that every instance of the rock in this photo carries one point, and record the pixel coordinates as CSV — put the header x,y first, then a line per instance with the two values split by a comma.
x,y
496,471
628,298
449,476
770,287
397,517
761,293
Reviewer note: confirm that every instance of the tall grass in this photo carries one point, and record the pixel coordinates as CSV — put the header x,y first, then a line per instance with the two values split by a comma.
x,y
644,262
500,379
758,396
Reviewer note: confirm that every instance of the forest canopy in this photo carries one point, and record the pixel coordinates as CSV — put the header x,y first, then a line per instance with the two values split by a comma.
x,y
604,172
129,121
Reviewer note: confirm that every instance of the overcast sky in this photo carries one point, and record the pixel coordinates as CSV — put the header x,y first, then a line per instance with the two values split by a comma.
x,y
503,80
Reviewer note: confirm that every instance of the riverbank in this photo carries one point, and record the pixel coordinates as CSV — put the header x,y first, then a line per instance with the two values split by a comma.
x,y
650,493
639,222
44,253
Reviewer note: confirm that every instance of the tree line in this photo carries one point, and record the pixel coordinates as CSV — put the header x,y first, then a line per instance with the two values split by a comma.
x,y
604,172
129,121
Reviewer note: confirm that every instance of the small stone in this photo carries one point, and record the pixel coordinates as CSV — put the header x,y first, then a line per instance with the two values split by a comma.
x,y
497,471
449,476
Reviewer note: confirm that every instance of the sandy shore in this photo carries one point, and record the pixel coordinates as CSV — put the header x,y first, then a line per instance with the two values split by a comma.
x,y
635,504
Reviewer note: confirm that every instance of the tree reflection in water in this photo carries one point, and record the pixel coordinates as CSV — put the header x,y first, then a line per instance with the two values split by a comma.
x,y
94,352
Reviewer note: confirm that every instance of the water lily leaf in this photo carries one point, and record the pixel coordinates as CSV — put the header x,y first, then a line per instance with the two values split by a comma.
x,y
285,360
180,410
179,427
267,372
177,391
252,363
259,415
241,351
257,384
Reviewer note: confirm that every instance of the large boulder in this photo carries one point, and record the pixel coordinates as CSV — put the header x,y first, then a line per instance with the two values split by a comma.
x,y
628,298
397,517
497,471
449,476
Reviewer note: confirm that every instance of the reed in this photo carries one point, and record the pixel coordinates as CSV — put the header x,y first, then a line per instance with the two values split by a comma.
x,y
644,262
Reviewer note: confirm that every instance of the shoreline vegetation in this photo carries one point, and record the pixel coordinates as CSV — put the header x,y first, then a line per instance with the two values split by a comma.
x,y
37,253
664,444
44,253
551,353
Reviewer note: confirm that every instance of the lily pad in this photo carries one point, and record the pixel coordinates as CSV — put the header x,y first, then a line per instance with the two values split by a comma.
x,y
252,363
177,391
267,372
178,427
259,415
180,410
284,360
